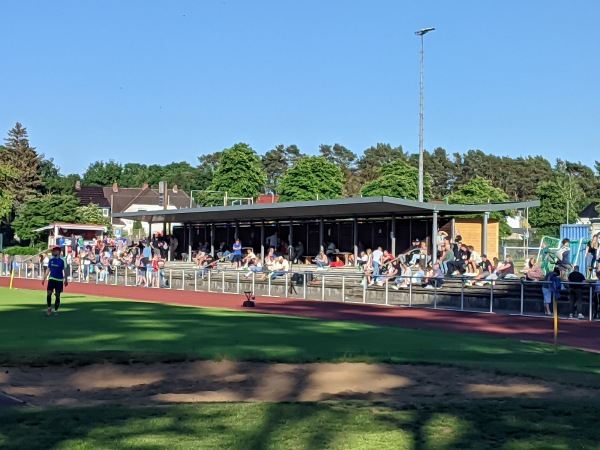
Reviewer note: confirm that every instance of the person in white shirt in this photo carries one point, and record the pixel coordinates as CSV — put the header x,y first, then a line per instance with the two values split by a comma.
x,y
377,255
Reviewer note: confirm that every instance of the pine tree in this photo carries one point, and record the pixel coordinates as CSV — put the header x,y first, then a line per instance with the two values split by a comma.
x,y
25,160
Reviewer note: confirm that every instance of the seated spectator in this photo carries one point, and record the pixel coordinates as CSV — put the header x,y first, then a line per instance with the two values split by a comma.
x,y
447,259
255,267
504,270
390,273
362,260
486,270
249,258
420,257
435,278
533,271
473,262
322,260
576,293
299,252
282,266
462,258
405,276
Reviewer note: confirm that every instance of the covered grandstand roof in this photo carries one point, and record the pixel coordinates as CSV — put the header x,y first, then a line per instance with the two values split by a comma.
x,y
364,207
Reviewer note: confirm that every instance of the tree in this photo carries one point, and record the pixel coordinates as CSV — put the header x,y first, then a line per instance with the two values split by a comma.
x,y
240,173
42,212
561,200
24,159
6,198
102,173
480,191
53,182
375,157
398,179
207,166
311,178
92,214
277,161
134,175
441,170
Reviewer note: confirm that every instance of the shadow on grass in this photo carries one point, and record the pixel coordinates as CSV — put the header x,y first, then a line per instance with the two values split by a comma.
x,y
92,330
476,424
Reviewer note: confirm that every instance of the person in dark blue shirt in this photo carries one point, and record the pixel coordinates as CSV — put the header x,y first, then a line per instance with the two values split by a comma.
x,y
56,276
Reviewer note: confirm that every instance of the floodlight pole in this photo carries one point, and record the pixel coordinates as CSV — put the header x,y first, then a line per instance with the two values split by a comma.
x,y
421,33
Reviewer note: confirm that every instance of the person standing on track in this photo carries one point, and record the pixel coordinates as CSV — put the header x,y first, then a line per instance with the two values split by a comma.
x,y
56,275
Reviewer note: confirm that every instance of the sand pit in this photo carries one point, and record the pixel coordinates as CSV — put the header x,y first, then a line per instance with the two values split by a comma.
x,y
226,381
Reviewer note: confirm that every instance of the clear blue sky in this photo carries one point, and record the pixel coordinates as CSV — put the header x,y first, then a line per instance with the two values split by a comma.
x,y
155,82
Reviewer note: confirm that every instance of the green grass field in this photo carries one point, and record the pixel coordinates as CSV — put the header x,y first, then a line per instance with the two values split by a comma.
x,y
92,329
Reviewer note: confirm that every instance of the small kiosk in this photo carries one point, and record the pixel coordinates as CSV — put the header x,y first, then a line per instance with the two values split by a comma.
x,y
66,234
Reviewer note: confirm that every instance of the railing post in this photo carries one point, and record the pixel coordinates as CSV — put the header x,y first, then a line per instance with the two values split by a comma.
x,y
492,298
304,286
286,285
462,293
435,295
323,288
253,282
269,291
126,276
223,282
364,285
209,272
590,304
182,281
410,291
170,277
343,288
116,276
386,293
522,296
195,281
237,290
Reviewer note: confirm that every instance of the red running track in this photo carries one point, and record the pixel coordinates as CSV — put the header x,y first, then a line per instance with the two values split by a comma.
x,y
579,334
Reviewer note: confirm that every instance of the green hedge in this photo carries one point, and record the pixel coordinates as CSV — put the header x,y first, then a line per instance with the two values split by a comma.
x,y
26,251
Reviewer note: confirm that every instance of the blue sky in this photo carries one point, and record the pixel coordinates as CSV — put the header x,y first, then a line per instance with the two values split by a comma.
x,y
155,82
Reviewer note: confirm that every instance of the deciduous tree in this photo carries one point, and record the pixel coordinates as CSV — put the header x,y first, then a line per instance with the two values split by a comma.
x,y
479,191
398,179
240,173
311,178
41,212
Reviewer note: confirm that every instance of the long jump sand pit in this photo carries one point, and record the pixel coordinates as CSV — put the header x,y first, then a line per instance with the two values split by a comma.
x,y
226,381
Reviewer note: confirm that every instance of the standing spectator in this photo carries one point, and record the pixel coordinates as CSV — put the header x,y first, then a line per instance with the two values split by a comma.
x,y
576,293
237,254
299,252
591,254
376,261
551,287
563,259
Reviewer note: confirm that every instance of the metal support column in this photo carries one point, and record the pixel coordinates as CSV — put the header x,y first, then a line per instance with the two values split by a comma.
x,y
355,238
190,242
212,240
321,234
484,247
393,236
262,240
434,232
291,243
237,228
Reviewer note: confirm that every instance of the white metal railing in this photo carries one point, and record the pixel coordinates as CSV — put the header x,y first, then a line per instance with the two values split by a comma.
x,y
507,296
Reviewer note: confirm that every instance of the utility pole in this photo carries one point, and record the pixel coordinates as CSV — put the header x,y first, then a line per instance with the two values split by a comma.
x,y
421,33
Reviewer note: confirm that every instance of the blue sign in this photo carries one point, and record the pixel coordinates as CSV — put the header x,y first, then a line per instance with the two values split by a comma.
x,y
117,232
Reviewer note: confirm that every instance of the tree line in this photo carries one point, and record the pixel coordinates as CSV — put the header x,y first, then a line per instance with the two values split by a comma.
x,y
28,178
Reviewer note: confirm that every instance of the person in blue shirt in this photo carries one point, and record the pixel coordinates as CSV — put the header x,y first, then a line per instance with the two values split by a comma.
x,y
237,254
56,275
